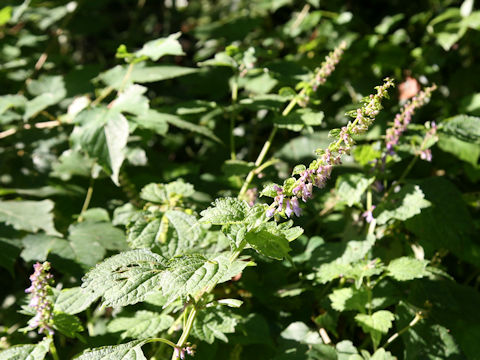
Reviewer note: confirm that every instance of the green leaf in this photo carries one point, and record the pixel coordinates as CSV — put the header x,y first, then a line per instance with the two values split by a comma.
x,y
140,325
72,163
213,323
299,119
147,233
131,100
300,332
155,49
29,215
49,90
407,268
11,101
351,187
178,122
192,274
126,278
237,167
376,324
269,240
103,135
447,223
69,325
406,203
382,354
463,127
225,211
37,247
142,73
27,352
5,15
165,193
152,120
72,301
128,351
463,150
348,299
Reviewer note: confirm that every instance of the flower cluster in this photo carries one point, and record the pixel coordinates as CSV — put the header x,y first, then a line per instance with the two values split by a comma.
x,y
180,352
317,174
403,118
425,152
40,300
322,73
328,66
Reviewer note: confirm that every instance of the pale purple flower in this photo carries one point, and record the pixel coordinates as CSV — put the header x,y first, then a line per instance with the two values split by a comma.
x,y
40,300
368,215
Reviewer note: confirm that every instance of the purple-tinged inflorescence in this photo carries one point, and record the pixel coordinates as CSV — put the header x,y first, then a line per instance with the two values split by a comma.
x,y
179,353
40,300
368,215
425,152
317,174
403,118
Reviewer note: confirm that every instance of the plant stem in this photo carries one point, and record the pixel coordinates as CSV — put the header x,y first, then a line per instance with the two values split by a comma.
x,y
258,162
109,89
53,349
416,319
86,203
403,176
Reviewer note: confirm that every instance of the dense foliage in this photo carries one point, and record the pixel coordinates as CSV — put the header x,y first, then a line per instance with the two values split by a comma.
x,y
268,179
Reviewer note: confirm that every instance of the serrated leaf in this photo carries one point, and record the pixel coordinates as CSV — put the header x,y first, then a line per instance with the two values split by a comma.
x,y
351,187
140,325
155,49
191,274
376,324
225,211
27,352
103,134
72,300
126,278
147,233
407,268
164,193
268,240
128,351
213,323
37,247
348,299
406,203
69,325
29,215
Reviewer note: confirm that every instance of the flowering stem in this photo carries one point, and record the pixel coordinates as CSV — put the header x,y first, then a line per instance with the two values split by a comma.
x,y
53,349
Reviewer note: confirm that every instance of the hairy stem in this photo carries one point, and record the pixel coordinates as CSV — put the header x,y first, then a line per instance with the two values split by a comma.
x,y
53,349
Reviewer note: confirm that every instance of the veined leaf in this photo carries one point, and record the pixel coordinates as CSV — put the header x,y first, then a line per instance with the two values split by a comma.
x,y
103,134
72,300
27,352
29,215
351,187
141,325
348,299
131,100
155,49
164,193
128,351
225,211
407,268
376,324
463,127
408,202
213,324
268,239
126,278
69,325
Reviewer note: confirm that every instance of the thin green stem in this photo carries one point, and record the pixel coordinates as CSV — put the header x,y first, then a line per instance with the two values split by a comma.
x,y
107,91
53,349
88,198
162,340
416,319
258,162
403,176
